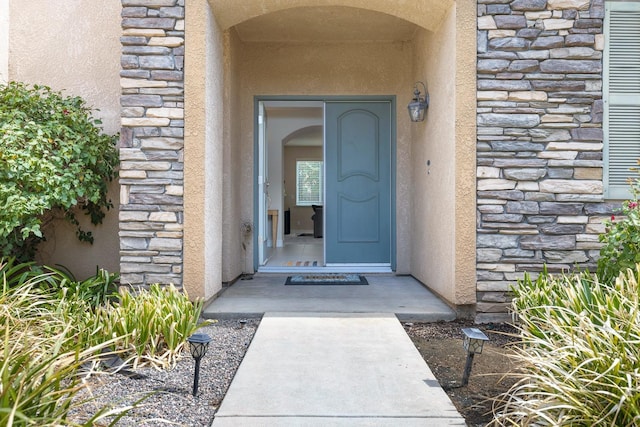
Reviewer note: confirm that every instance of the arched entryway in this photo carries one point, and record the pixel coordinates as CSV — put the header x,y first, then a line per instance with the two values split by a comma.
x,y
339,48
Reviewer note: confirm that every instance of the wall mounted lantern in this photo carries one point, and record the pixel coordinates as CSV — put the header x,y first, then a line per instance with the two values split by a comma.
x,y
418,106
198,345
474,339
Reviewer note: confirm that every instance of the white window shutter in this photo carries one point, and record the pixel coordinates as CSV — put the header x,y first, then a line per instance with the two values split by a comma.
x,y
621,96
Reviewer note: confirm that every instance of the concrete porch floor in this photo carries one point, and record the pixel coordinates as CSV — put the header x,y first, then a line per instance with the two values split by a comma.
x,y
403,296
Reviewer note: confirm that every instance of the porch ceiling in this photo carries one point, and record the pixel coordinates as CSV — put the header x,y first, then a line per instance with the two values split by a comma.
x,y
328,24
425,13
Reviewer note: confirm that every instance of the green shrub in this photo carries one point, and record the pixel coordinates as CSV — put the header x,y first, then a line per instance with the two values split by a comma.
x,y
621,241
54,157
580,350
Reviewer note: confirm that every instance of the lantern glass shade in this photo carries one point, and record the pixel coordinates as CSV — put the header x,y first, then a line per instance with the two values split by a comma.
x,y
198,345
474,340
417,111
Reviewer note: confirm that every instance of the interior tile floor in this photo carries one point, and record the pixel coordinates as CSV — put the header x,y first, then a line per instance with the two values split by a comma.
x,y
298,251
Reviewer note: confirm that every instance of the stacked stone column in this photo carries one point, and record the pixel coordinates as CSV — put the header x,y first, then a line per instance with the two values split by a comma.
x,y
540,142
151,145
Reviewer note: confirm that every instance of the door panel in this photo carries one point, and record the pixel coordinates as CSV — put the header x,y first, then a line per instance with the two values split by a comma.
x,y
358,182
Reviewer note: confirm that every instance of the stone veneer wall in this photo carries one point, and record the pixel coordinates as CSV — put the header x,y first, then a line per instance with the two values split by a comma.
x,y
540,149
151,144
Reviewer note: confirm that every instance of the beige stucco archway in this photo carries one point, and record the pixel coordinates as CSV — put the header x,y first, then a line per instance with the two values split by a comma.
x,y
234,53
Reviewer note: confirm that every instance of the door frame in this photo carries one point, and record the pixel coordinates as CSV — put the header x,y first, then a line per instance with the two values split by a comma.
x,y
326,98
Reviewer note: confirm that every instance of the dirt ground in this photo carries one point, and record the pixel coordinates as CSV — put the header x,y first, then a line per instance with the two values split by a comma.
x,y
441,347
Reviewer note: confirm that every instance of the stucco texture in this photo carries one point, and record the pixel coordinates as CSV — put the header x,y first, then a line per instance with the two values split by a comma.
x,y
73,46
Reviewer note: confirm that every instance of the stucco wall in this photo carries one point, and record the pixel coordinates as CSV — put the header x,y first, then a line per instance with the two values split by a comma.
x,y
433,160
72,46
443,219
203,152
4,41
330,69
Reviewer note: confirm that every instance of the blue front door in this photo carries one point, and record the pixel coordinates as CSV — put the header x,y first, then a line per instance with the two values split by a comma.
x,y
358,205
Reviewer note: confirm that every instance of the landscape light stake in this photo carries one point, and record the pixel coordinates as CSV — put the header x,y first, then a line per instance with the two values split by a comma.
x,y
198,345
474,339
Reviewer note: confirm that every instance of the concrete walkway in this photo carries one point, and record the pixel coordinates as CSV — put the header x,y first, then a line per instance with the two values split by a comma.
x,y
334,369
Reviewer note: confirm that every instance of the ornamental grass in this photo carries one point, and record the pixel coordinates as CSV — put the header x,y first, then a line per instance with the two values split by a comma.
x,y
580,352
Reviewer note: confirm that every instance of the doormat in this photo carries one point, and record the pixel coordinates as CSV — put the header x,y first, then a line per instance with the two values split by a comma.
x,y
300,264
326,279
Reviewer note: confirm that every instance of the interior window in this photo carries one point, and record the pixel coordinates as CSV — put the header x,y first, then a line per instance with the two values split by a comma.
x,y
309,182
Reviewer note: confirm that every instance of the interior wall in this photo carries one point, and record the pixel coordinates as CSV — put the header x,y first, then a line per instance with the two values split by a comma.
x,y
280,123
443,159
73,46
331,69
300,215
204,100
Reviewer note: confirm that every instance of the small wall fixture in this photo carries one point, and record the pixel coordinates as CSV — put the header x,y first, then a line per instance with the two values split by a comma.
x,y
418,106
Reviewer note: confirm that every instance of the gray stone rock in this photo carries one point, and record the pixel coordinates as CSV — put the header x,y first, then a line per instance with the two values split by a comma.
x,y
570,66
528,33
498,241
547,135
510,22
141,101
562,229
509,120
547,42
573,40
541,219
588,23
529,5
527,208
604,209
172,12
133,12
519,253
157,62
149,3
587,134
525,174
492,65
488,255
502,195
560,173
516,146
509,85
520,163
523,65
502,218
565,257
561,208
542,242
483,41
509,43
497,9
558,85
597,9
151,23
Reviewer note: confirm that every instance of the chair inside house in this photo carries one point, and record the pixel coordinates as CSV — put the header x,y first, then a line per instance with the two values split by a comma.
x,y
317,218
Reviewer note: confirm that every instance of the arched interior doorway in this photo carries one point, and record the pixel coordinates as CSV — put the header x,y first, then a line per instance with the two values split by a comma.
x,y
347,48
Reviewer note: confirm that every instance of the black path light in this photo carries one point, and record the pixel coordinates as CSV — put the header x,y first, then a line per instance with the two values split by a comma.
x,y
198,345
474,339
